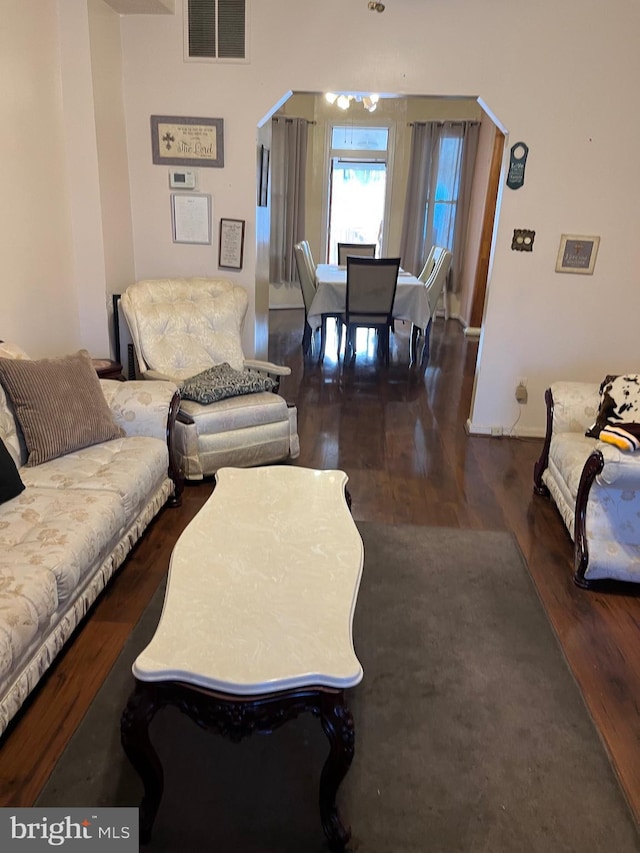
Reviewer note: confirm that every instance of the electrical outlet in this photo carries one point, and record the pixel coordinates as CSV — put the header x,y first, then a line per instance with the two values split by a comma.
x,y
522,395
496,431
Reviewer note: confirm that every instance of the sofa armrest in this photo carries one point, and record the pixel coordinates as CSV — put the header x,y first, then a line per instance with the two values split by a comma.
x,y
620,470
275,371
139,407
571,407
258,366
575,405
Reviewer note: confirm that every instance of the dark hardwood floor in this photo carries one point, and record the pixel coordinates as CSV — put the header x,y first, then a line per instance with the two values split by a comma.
x,y
400,436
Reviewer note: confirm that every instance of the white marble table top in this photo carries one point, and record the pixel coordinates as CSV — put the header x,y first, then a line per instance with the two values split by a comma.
x,y
262,587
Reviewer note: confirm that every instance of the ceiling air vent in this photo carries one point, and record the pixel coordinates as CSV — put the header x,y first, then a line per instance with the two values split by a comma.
x,y
217,29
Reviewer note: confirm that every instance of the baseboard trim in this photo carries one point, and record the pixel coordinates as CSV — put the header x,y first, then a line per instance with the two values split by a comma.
x,y
503,431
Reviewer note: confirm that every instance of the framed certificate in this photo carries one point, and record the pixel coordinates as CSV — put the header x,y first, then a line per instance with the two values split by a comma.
x,y
191,218
231,245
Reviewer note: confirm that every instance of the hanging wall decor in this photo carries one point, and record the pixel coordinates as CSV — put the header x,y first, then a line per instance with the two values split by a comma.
x,y
231,244
177,141
191,218
515,178
577,254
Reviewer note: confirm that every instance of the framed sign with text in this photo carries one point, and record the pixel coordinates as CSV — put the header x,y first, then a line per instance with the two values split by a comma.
x,y
177,141
577,254
231,245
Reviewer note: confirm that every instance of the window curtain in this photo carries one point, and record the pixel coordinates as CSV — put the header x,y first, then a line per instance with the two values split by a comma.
x,y
470,133
441,168
424,143
288,181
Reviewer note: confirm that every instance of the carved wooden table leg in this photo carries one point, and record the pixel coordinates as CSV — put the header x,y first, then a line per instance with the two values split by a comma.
x,y
237,717
134,734
337,723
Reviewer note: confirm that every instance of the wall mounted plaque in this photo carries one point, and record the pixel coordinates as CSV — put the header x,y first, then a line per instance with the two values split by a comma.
x,y
577,254
177,141
515,178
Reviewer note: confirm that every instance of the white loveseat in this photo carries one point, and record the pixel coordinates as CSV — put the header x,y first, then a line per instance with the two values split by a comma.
x,y
79,515
595,486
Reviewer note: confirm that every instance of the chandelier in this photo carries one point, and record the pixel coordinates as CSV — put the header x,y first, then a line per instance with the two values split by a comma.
x,y
344,101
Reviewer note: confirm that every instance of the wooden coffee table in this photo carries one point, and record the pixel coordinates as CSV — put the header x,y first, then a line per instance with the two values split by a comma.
x,y
256,626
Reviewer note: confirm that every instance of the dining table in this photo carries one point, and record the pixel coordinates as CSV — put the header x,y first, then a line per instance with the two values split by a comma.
x,y
410,303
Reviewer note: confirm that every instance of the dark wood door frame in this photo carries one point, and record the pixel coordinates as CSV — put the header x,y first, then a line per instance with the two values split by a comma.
x,y
486,236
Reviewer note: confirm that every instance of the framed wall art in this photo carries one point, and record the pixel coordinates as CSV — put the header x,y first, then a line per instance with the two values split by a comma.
x,y
231,244
191,218
577,254
177,141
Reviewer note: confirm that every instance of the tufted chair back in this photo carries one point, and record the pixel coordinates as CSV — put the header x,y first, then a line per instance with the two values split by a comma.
x,y
182,326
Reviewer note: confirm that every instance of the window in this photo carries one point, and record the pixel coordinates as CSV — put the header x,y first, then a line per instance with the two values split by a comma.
x,y
216,29
447,189
357,194
354,138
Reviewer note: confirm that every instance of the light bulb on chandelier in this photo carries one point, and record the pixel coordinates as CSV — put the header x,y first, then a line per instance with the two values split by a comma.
x,y
376,7
370,102
343,101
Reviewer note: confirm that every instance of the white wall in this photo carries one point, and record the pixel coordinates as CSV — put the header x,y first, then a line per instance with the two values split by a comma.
x,y
556,75
111,149
65,226
39,309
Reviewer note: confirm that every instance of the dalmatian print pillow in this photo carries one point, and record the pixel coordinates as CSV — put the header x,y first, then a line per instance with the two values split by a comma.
x,y
619,405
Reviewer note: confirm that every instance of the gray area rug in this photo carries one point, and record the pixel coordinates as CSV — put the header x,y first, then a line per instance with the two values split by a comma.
x,y
471,734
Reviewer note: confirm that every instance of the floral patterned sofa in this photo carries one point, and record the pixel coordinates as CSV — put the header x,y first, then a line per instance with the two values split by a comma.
x,y
75,518
590,466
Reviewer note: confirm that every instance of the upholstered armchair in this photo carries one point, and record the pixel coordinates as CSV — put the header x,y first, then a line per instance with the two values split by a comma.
x,y
189,330
594,483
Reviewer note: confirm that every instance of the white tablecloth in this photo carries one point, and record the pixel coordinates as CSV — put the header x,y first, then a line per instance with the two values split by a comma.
x,y
331,294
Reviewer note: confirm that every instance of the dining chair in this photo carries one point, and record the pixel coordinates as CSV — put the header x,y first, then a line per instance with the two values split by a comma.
x,y
435,286
308,288
306,248
371,290
360,250
307,276
429,264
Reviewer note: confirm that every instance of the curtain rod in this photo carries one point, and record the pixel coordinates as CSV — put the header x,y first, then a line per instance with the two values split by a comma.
x,y
292,118
442,123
